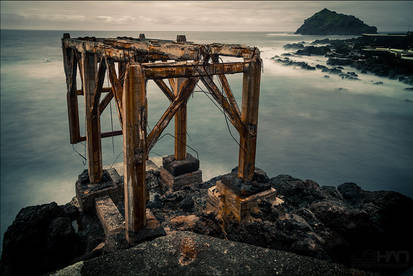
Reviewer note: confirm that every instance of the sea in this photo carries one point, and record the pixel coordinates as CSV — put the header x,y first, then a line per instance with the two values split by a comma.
x,y
311,127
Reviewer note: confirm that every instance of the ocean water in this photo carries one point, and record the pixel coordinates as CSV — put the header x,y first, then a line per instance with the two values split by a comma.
x,y
326,129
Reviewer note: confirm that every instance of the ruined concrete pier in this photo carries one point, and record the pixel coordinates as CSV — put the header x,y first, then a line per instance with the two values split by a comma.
x,y
129,63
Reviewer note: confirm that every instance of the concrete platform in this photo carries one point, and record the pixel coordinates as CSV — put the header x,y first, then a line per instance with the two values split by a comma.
x,y
86,193
179,167
223,200
175,183
178,174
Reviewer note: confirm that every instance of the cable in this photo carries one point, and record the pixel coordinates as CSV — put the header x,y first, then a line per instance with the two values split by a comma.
x,y
225,115
111,116
82,156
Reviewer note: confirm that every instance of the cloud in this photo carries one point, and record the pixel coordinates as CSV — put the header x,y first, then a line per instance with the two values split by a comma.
x,y
116,20
187,16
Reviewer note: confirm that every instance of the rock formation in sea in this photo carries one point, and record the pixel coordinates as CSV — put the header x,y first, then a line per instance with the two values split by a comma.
x,y
354,52
326,22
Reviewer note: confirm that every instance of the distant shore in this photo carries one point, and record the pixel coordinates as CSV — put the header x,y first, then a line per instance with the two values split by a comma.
x,y
358,53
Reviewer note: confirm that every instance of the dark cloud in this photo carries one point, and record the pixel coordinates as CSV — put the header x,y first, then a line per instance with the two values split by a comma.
x,y
206,15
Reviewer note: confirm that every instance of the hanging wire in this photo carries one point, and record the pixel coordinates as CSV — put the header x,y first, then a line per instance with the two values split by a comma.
x,y
173,136
116,159
82,156
111,115
219,108
84,159
188,146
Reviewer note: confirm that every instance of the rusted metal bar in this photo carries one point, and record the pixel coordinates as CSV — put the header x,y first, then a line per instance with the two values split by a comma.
x,y
170,112
79,92
70,67
179,70
222,101
94,147
105,101
249,116
127,49
165,89
104,135
99,84
135,150
117,88
121,71
180,122
230,96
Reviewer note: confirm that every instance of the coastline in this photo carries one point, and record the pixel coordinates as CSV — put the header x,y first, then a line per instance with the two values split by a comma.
x,y
359,53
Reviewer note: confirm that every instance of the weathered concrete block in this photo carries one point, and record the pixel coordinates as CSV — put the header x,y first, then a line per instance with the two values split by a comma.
x,y
247,188
111,219
233,206
178,167
86,193
175,183
113,224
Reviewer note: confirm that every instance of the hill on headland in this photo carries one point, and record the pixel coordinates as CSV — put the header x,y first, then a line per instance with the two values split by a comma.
x,y
326,22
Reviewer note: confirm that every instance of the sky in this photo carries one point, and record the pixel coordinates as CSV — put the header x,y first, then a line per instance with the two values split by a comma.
x,y
195,16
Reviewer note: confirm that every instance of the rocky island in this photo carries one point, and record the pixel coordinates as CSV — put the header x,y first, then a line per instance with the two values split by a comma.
x,y
326,22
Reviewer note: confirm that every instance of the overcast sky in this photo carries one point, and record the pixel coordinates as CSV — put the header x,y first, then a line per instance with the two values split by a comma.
x,y
195,16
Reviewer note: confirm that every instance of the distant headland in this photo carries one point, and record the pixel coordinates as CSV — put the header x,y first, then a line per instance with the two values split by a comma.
x,y
326,22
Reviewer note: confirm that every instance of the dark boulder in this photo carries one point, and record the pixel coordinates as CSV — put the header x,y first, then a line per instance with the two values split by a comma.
x,y
296,192
312,50
43,237
187,203
339,61
294,46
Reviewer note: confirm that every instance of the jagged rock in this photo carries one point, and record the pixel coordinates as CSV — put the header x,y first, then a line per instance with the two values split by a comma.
x,y
349,76
71,210
155,203
295,191
288,62
312,50
294,46
331,192
90,231
43,237
334,70
336,224
321,41
326,22
199,224
339,61
187,203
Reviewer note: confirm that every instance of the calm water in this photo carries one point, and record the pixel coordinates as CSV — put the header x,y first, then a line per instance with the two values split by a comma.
x,y
308,127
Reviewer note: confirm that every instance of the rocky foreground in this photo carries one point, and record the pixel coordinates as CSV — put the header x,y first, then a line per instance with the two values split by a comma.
x,y
348,52
369,231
